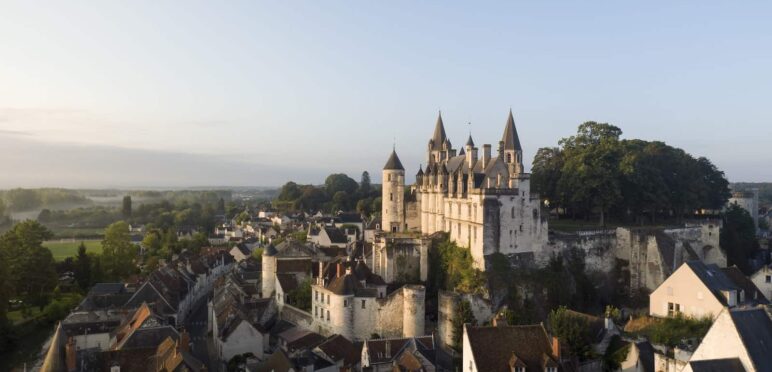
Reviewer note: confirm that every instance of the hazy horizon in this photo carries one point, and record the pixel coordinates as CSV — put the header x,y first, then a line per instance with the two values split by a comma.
x,y
177,95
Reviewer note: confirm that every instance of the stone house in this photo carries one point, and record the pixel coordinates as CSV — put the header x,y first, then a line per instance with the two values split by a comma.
x,y
400,354
763,280
738,340
696,290
524,348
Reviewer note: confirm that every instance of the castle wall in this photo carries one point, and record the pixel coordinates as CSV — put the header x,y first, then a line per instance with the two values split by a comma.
x,y
447,308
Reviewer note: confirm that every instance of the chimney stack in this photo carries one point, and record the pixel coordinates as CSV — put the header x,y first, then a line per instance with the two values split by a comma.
x,y
556,347
184,341
337,270
486,155
71,354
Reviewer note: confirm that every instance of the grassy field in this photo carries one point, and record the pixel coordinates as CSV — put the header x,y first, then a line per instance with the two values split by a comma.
x,y
69,248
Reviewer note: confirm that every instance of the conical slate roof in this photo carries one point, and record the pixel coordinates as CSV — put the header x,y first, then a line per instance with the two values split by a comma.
x,y
439,136
511,139
393,163
469,142
420,171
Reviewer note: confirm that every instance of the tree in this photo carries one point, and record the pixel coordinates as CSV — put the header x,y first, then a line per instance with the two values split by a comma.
x,y
83,268
44,216
32,269
572,330
738,238
300,297
126,210
462,315
364,185
340,182
152,242
364,206
118,252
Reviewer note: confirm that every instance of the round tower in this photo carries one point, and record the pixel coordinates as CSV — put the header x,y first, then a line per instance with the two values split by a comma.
x,y
268,283
413,311
392,197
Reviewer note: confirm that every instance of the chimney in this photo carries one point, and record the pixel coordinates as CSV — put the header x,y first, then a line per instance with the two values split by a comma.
x,y
71,354
556,347
337,269
184,344
486,155
321,269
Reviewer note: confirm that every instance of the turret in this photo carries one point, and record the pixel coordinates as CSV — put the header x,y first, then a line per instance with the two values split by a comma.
x,y
471,152
392,197
440,148
510,148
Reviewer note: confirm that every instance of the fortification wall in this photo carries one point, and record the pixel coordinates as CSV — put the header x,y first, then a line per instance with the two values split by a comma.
x,y
389,315
447,308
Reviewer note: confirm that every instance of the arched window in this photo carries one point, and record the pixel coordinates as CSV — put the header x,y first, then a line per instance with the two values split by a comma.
x,y
509,158
513,212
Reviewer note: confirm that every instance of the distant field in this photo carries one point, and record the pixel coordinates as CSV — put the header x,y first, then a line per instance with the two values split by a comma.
x,y
69,248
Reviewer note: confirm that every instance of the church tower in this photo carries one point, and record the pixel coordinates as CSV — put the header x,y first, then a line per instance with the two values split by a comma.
x,y
509,147
392,198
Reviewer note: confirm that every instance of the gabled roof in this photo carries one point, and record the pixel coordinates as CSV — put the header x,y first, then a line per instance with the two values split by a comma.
x,y
752,293
336,235
339,348
755,330
439,136
511,139
393,163
492,347
717,365
713,278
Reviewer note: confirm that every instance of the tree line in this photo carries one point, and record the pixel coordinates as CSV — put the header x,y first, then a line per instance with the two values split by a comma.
x,y
595,173
339,193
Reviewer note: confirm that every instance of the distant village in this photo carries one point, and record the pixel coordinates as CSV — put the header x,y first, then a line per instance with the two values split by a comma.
x,y
312,290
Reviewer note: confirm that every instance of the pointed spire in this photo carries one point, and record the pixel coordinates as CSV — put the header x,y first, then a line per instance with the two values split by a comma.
x,y
469,142
439,137
511,139
420,170
393,163
461,152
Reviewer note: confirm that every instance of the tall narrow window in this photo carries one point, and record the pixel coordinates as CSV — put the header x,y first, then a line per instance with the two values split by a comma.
x,y
391,197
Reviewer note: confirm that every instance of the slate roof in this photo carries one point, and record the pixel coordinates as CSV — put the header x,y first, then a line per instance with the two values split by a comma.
x,y
277,362
492,347
645,355
717,365
511,139
393,163
469,141
298,338
713,278
345,285
339,348
752,293
336,235
439,136
106,289
755,329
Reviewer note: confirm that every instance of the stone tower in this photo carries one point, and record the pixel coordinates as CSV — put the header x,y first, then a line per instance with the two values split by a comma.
x,y
393,203
269,271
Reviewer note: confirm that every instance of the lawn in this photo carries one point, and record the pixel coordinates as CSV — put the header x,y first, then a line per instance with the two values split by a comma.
x,y
62,249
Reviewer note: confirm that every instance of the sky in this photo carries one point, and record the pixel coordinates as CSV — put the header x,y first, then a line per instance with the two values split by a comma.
x,y
253,93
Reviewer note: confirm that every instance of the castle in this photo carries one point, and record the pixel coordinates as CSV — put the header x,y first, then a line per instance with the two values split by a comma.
x,y
483,201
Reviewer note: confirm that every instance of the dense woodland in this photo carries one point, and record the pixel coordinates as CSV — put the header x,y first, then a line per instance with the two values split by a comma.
x,y
596,174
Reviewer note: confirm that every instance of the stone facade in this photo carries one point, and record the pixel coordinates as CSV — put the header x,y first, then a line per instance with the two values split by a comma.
x,y
400,258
